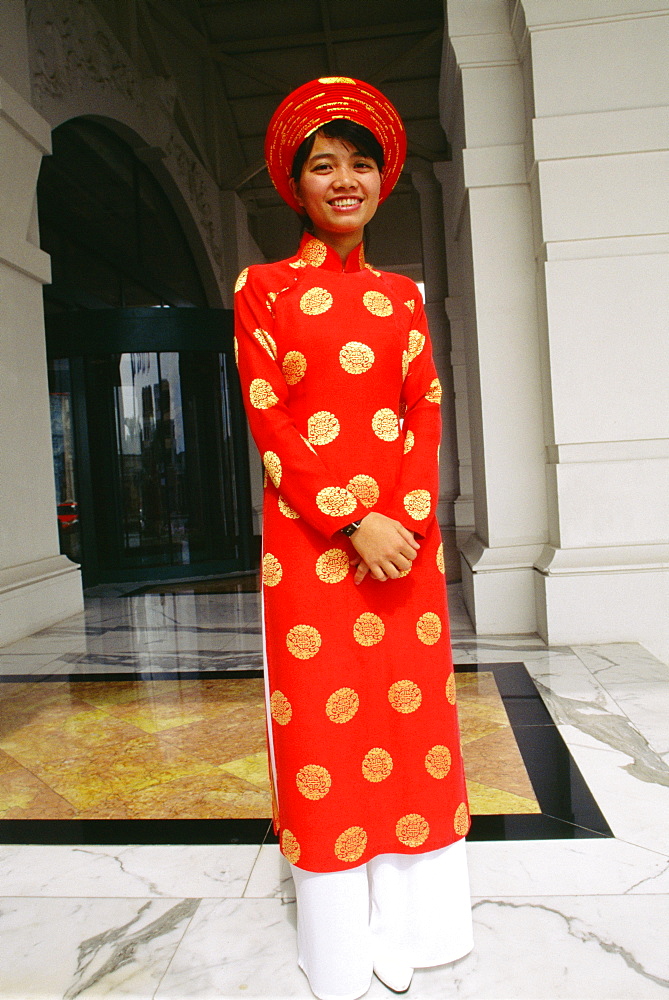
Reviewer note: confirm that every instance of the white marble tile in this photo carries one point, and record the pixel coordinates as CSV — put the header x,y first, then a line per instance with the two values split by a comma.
x,y
21,664
605,660
572,948
270,878
638,683
629,781
602,866
571,693
511,868
557,948
62,949
237,948
152,870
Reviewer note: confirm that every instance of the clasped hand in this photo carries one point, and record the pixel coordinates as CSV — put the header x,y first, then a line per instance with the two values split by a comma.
x,y
385,548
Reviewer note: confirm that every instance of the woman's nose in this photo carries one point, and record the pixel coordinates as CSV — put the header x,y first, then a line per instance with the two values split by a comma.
x,y
345,177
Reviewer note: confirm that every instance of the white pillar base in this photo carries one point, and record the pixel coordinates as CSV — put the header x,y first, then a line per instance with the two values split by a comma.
x,y
36,595
498,587
623,598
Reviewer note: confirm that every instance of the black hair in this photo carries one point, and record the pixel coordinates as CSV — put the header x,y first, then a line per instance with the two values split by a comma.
x,y
358,136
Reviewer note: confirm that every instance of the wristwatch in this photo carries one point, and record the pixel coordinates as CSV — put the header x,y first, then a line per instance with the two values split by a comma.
x,y
348,529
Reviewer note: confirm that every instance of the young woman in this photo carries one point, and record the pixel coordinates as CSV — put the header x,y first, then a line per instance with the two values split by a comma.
x,y
343,402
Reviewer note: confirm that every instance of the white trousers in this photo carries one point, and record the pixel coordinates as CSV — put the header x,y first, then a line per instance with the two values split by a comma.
x,y
414,908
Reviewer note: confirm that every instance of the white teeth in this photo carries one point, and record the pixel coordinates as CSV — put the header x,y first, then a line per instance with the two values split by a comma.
x,y
345,202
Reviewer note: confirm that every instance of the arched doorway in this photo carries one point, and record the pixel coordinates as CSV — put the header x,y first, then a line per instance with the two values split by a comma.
x,y
148,431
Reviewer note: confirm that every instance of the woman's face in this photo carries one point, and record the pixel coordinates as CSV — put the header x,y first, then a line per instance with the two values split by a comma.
x,y
338,188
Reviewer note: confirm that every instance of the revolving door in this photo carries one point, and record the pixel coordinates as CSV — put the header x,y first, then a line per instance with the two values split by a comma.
x,y
150,444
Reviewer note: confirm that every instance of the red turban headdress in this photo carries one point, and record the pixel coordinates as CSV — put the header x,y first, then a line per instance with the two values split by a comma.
x,y
318,102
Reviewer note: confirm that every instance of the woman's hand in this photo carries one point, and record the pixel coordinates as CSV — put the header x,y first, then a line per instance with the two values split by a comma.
x,y
386,548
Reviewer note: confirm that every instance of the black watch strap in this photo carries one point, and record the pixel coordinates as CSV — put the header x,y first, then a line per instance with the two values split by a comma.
x,y
348,529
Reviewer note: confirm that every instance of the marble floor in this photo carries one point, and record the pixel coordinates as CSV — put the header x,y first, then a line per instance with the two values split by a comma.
x,y
566,917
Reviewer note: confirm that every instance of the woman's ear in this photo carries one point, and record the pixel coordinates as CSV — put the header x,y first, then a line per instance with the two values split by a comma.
x,y
295,191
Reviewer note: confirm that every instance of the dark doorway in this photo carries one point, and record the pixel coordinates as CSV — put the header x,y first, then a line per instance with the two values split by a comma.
x,y
149,435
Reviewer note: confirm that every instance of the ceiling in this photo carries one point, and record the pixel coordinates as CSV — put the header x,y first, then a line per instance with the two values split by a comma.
x,y
231,62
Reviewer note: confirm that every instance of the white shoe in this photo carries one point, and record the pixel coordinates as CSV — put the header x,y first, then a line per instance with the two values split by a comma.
x,y
394,974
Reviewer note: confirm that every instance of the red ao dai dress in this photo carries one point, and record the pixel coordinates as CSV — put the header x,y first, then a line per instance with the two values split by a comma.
x,y
343,402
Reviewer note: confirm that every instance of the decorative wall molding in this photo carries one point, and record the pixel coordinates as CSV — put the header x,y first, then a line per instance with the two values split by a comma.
x,y
72,48
78,65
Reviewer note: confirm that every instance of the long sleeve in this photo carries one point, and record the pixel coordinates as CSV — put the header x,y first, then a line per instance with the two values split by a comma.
x,y
292,464
414,501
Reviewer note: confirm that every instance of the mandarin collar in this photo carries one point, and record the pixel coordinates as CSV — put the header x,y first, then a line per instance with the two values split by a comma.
x,y
317,254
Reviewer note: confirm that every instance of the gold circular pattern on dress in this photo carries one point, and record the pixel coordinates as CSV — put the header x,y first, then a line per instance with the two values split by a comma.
x,y
316,301
365,489
314,252
235,344
272,570
271,299
405,696
290,847
272,463
356,358
461,819
450,690
303,641
350,845
332,566
428,628
287,511
412,830
433,394
405,364
416,343
386,425
377,303
417,504
313,781
410,304
280,708
438,761
409,442
377,764
342,705
262,394
241,280
308,444
293,366
322,427
368,629
405,572
335,501
267,341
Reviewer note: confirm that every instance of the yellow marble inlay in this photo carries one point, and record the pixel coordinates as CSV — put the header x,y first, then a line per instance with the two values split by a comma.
x,y
196,749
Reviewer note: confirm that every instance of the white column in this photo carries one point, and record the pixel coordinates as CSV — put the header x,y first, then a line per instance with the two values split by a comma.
x,y
38,586
600,137
436,290
490,238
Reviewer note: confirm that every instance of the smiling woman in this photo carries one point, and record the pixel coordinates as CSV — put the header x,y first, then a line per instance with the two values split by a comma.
x,y
343,400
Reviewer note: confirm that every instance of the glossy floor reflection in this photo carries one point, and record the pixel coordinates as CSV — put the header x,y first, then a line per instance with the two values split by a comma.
x,y
563,915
